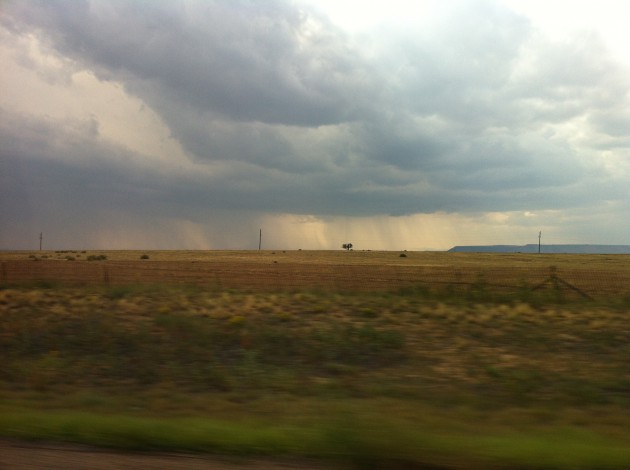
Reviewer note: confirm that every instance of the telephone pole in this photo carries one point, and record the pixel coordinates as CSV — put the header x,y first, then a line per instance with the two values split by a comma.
x,y
259,239
539,235
41,236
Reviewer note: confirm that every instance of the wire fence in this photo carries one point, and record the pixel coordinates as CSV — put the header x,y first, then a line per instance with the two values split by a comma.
x,y
584,282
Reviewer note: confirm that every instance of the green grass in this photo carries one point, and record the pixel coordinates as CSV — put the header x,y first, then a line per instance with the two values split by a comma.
x,y
344,438
144,433
383,379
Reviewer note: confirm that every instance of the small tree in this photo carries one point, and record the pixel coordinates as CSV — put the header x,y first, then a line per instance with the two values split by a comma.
x,y
347,246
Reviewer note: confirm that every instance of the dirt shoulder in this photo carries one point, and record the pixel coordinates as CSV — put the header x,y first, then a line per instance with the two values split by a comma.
x,y
21,455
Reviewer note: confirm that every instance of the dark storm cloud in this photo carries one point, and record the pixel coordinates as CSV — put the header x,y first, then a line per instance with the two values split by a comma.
x,y
247,60
62,168
461,115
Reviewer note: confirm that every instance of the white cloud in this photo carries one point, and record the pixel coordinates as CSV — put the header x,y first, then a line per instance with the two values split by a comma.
x,y
562,18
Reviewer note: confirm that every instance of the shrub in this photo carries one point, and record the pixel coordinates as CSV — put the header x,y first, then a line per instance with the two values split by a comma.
x,y
144,257
96,257
118,292
236,320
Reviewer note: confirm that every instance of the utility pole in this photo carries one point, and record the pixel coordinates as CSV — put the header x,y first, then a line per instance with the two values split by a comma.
x,y
41,235
539,235
259,239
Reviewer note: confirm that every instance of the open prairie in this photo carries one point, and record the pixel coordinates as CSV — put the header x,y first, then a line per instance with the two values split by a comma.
x,y
594,275
355,359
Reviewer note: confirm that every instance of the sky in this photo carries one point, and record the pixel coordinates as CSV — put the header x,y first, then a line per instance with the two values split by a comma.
x,y
391,125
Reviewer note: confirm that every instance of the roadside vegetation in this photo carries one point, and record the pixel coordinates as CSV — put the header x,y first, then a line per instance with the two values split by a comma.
x,y
442,378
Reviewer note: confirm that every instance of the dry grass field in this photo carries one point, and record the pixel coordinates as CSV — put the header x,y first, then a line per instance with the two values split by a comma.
x,y
360,359
594,275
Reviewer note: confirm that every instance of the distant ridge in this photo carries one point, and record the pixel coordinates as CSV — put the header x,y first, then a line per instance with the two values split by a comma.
x,y
533,248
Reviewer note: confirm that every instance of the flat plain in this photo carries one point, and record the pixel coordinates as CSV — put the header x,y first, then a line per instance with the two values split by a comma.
x,y
327,270
357,359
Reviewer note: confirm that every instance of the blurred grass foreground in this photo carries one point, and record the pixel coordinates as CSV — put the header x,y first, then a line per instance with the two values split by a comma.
x,y
414,378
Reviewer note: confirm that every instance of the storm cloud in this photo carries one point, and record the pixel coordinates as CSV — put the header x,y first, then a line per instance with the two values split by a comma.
x,y
243,110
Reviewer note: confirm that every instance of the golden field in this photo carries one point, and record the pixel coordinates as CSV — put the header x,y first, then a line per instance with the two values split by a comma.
x,y
360,359
595,275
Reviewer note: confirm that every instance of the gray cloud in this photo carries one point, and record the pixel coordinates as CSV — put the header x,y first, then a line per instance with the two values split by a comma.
x,y
246,60
471,113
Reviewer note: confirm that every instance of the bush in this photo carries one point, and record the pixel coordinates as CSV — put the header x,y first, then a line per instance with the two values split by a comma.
x,y
96,258
144,257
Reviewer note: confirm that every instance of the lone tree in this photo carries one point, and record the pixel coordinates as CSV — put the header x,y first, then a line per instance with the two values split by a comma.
x,y
347,246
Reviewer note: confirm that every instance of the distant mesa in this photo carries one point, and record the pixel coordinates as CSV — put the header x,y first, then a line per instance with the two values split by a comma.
x,y
533,248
